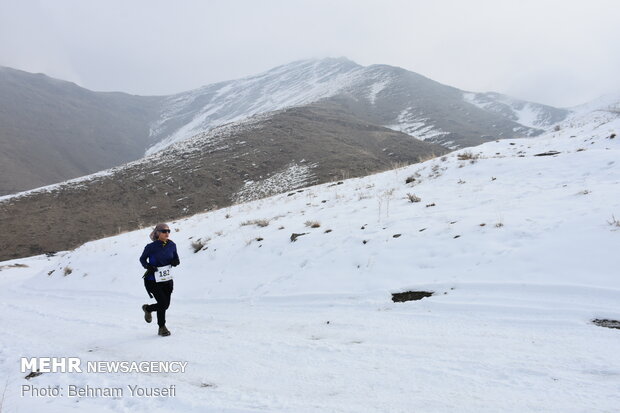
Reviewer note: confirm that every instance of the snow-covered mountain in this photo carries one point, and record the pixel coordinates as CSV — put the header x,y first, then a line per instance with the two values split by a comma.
x,y
385,95
516,239
189,113
259,156
55,130
533,115
52,130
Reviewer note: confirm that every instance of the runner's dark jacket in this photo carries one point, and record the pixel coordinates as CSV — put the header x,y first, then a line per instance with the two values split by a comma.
x,y
158,254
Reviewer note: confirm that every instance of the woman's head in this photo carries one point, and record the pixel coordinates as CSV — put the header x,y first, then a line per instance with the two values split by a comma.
x,y
161,232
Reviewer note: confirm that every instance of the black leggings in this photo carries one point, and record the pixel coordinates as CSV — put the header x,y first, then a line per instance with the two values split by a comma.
x,y
161,291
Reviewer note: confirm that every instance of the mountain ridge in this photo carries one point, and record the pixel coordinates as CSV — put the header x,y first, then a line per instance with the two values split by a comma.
x,y
86,131
252,158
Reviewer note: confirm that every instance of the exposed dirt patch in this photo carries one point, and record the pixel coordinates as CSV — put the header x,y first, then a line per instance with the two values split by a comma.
x,y
607,323
294,236
410,296
17,265
550,153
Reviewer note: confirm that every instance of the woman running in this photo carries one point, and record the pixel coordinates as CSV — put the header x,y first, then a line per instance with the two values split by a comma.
x,y
161,255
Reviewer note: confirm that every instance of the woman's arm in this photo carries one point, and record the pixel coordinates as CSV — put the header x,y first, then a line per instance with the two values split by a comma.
x,y
175,258
144,256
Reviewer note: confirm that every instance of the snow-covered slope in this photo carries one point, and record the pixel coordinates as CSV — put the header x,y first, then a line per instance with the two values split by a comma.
x,y
253,158
533,115
382,94
607,105
195,111
519,249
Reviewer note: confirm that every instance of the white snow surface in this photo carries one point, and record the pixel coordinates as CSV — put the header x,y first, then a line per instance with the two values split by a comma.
x,y
375,89
298,83
270,325
417,126
293,176
525,113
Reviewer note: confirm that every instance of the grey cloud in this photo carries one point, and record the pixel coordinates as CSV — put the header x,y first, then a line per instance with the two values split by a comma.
x,y
556,52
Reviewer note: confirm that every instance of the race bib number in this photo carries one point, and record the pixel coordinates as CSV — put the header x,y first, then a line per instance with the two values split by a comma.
x,y
163,273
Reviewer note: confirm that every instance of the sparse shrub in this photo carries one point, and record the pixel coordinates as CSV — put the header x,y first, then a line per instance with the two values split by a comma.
x,y
413,198
258,222
499,225
426,157
312,224
219,233
68,270
415,178
197,245
397,165
614,222
557,128
467,156
436,171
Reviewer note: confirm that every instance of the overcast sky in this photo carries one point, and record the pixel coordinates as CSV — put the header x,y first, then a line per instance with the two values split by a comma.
x,y
557,52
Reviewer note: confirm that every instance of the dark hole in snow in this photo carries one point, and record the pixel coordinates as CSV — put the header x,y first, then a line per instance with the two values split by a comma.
x,y
33,374
410,296
607,323
294,236
550,153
